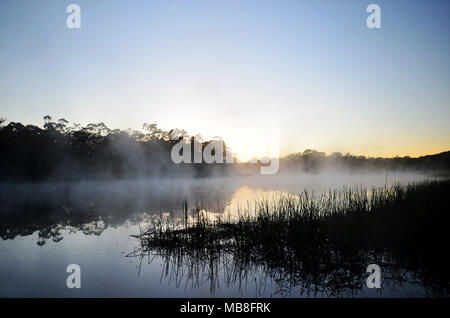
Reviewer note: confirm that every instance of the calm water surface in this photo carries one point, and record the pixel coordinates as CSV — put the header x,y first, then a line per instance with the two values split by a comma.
x,y
45,227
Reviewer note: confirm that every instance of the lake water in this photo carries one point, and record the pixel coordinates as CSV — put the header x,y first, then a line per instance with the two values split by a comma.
x,y
45,227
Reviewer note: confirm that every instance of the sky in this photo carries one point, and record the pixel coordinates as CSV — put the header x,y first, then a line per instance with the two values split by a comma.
x,y
309,72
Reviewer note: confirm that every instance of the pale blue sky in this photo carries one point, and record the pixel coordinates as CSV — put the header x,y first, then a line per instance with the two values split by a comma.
x,y
312,69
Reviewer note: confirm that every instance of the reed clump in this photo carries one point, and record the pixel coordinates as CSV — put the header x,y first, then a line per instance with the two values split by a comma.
x,y
324,241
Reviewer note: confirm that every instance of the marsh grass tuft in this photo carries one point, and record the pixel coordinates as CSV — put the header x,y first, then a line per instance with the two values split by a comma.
x,y
318,243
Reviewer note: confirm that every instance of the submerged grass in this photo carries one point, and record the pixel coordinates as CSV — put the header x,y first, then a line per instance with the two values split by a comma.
x,y
320,243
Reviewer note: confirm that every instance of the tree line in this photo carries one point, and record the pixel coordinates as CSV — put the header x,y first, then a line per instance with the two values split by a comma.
x,y
73,152
59,151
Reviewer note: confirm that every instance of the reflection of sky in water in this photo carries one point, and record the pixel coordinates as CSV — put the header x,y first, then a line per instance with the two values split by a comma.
x,y
27,269
256,190
30,270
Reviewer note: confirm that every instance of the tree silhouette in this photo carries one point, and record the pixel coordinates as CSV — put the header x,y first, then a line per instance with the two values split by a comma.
x,y
63,151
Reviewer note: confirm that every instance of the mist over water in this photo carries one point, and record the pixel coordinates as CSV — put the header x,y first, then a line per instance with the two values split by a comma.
x,y
46,226
120,200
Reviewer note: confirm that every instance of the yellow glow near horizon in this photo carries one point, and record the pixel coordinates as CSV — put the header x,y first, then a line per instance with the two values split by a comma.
x,y
240,147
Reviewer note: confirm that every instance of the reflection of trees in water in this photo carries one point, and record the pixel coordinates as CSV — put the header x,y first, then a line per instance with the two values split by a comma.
x,y
92,207
53,232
